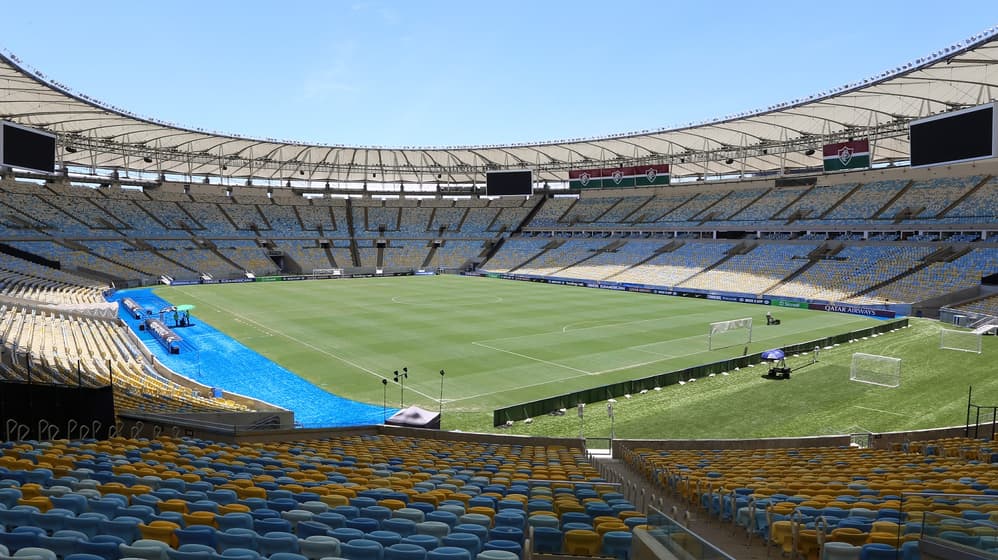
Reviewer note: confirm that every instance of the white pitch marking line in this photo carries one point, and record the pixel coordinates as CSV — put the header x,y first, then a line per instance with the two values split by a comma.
x,y
308,345
401,301
878,410
538,384
526,357
652,352
604,325
569,326
611,370
629,366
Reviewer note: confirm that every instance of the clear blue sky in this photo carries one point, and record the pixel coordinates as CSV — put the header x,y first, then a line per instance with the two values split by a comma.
x,y
457,72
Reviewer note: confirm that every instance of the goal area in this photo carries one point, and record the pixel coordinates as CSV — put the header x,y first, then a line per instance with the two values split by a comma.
x,y
964,341
723,334
884,371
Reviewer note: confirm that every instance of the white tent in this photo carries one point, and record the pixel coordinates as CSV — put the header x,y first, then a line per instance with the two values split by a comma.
x,y
415,417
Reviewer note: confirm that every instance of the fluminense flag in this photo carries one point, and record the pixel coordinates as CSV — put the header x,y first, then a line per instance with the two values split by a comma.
x,y
650,175
585,178
847,155
612,177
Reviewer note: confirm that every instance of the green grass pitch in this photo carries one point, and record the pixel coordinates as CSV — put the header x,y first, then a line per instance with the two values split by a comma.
x,y
503,342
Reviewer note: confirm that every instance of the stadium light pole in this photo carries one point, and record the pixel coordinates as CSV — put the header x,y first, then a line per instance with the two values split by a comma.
x,y
609,412
384,400
441,401
400,379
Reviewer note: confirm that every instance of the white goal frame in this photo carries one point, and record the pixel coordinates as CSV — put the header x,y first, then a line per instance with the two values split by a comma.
x,y
889,375
721,327
947,338
327,271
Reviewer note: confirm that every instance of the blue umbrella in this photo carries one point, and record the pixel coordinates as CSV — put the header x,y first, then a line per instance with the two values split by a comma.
x,y
773,355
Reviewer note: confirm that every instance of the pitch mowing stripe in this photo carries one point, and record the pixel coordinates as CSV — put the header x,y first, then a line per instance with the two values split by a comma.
x,y
346,332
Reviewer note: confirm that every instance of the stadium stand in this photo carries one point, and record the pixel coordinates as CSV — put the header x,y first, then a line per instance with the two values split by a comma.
x,y
854,269
478,220
941,277
926,199
554,259
623,210
880,237
589,209
313,496
675,263
865,202
814,202
764,209
27,280
454,253
283,219
67,349
406,254
753,271
980,206
552,212
987,305
367,253
515,252
325,215
779,495
732,204
174,234
446,218
659,206
612,259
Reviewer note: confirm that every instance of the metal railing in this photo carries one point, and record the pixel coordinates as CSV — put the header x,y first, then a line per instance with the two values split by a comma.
x,y
680,540
953,525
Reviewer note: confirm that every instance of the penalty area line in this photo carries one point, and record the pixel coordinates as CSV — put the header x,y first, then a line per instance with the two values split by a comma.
x,y
539,360
538,384
878,410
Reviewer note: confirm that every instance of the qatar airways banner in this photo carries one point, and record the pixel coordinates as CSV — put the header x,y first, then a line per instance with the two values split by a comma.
x,y
852,309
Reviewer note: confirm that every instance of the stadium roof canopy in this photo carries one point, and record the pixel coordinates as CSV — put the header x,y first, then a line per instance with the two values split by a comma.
x,y
786,136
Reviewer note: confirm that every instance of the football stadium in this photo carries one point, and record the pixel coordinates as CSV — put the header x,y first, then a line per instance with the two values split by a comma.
x,y
769,334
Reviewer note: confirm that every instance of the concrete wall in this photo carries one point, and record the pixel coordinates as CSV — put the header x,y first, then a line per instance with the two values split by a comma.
x,y
885,440
764,443
218,426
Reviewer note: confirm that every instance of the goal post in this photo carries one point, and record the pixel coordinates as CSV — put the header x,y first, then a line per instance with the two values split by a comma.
x,y
884,371
964,341
729,333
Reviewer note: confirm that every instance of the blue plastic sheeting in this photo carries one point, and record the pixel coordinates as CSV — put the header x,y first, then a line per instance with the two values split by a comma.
x,y
211,357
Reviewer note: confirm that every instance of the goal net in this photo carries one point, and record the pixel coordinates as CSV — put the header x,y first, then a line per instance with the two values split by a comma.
x,y
876,370
729,333
965,341
327,271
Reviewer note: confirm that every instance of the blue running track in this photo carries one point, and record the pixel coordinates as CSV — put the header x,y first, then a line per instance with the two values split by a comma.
x,y
211,357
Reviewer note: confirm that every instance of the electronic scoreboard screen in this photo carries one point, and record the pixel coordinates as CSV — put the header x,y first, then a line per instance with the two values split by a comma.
x,y
26,148
509,183
964,135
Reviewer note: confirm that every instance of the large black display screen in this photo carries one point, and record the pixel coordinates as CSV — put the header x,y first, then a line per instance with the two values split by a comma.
x,y
509,183
963,135
25,148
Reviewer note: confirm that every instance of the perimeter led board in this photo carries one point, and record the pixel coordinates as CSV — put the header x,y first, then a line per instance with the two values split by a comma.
x,y
26,148
958,136
509,183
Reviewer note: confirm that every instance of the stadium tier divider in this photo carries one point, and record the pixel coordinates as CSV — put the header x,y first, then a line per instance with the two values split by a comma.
x,y
566,401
